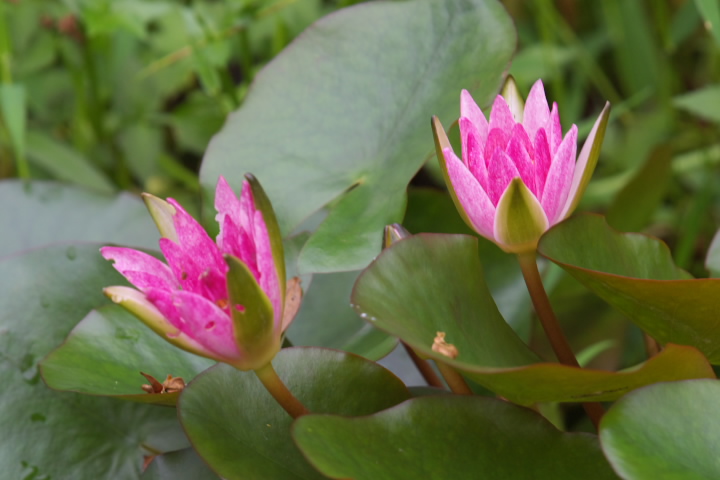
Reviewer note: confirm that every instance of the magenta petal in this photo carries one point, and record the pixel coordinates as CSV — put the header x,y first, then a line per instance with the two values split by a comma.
x,y
560,177
473,151
269,281
554,131
501,117
517,150
497,140
198,318
542,161
470,110
194,276
501,170
239,243
537,113
193,239
473,199
142,270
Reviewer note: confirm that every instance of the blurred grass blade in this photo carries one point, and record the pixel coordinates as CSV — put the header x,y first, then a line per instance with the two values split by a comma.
x,y
13,108
710,11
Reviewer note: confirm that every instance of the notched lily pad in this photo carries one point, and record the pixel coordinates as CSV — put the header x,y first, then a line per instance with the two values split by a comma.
x,y
432,283
635,274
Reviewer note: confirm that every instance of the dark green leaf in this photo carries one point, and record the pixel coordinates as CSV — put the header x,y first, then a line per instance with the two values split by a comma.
x,y
237,427
106,352
668,430
635,274
449,437
433,283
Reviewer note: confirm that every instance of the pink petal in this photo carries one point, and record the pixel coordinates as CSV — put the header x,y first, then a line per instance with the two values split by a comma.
x,y
239,243
198,318
517,150
501,171
193,275
142,270
269,281
501,117
537,113
554,130
473,151
542,161
559,179
497,140
470,110
474,201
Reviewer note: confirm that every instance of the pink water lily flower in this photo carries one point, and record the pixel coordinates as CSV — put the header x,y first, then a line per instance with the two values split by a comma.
x,y
518,174
223,299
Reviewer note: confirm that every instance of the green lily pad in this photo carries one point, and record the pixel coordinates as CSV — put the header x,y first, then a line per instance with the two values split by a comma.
x,y
46,212
448,437
326,319
179,465
60,434
341,119
241,432
668,430
635,274
105,353
431,283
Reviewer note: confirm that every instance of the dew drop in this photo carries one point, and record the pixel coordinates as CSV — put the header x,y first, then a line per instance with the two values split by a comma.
x,y
71,253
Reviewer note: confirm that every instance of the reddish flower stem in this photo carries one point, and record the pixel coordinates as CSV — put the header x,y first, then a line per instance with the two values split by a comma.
x,y
455,381
424,368
545,313
272,382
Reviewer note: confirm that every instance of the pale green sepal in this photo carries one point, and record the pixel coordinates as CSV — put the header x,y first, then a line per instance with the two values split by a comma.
x,y
262,203
252,316
441,143
520,220
137,303
512,96
162,214
394,233
586,162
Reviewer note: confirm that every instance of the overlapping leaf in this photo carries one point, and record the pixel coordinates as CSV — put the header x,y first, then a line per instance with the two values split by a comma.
x,y
448,437
669,430
107,350
341,117
241,432
430,283
45,293
635,274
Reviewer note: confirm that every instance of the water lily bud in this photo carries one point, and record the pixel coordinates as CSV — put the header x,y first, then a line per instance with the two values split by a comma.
x,y
518,175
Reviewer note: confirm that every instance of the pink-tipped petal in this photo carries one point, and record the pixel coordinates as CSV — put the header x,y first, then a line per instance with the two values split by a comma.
x,y
518,149
473,151
537,113
554,130
560,176
269,280
501,117
501,170
542,161
470,110
472,198
198,318
142,270
587,160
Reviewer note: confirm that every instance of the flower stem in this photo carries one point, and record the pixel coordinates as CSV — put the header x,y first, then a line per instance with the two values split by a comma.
x,y
424,368
454,380
270,380
545,313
